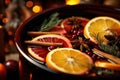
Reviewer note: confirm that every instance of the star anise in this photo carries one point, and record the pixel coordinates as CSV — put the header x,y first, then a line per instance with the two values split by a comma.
x,y
81,43
113,45
113,39
75,21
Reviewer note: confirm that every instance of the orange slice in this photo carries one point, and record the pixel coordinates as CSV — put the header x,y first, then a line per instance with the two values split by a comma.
x,y
101,26
40,52
107,65
68,60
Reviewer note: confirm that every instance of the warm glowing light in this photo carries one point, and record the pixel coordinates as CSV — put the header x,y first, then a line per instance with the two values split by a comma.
x,y
29,4
7,2
72,2
37,9
4,20
30,76
0,26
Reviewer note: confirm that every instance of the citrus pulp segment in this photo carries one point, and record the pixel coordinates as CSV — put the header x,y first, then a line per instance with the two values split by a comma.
x,y
69,60
101,26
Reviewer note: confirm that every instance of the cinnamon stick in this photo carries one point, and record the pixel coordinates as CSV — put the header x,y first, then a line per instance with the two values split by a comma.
x,y
33,33
38,43
106,55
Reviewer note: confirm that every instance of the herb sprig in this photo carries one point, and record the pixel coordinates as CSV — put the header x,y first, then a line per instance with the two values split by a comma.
x,y
101,71
112,49
50,22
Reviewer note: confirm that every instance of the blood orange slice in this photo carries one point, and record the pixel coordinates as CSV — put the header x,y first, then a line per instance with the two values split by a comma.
x,y
71,22
58,29
40,52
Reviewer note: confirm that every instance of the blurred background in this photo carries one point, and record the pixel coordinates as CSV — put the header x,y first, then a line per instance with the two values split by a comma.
x,y
14,12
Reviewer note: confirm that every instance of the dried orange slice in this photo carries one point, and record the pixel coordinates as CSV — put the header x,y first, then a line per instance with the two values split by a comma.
x,y
107,65
102,25
40,52
68,60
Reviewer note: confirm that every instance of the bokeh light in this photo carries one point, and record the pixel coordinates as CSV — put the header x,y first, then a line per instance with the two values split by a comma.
x,y
4,20
7,2
37,9
29,4
72,2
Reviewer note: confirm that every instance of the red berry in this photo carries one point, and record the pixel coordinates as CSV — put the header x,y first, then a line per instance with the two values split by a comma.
x,y
75,31
51,47
74,36
12,67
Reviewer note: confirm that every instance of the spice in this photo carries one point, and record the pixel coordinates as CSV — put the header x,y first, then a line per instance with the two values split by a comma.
x,y
106,55
43,43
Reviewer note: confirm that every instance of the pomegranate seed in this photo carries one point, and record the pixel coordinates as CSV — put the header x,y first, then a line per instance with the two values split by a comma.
x,y
51,47
74,36
75,31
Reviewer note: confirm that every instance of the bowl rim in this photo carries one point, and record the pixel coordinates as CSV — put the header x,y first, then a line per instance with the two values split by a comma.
x,y
17,41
